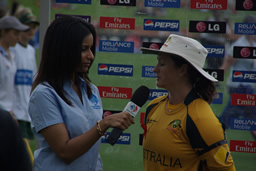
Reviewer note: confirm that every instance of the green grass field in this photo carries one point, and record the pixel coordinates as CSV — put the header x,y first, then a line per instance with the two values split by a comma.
x,y
129,157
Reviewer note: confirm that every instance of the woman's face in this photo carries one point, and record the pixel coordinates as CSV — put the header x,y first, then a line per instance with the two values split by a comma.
x,y
167,73
86,54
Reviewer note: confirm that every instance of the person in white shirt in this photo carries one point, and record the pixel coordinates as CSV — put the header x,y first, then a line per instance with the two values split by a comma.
x,y
10,28
25,60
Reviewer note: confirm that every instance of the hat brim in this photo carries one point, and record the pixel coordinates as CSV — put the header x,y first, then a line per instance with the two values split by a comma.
x,y
156,52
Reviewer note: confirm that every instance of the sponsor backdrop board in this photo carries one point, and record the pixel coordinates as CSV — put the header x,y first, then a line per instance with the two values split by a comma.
x,y
123,26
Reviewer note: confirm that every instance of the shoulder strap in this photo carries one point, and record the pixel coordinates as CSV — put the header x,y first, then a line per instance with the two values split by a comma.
x,y
192,132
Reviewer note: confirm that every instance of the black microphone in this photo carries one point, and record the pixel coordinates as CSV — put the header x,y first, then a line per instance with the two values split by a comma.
x,y
139,98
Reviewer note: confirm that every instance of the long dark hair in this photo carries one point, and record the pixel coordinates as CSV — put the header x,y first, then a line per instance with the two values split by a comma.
x,y
205,88
61,53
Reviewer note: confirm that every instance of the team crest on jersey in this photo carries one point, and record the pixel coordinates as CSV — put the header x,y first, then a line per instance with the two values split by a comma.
x,y
175,126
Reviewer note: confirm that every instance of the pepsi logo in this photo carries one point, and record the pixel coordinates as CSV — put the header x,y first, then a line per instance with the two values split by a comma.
x,y
201,26
248,4
238,74
245,52
149,23
154,46
103,68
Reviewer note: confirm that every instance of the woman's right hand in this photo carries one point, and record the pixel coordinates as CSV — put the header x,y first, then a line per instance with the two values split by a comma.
x,y
120,120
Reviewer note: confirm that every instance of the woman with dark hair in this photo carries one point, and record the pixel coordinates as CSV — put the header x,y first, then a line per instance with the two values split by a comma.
x,y
181,130
65,107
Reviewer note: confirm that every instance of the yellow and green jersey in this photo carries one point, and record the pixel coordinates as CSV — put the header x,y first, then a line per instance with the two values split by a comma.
x,y
186,136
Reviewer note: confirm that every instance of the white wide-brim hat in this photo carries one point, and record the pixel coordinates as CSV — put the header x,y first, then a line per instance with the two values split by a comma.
x,y
187,48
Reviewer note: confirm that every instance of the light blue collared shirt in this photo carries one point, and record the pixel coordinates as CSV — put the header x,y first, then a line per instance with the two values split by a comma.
x,y
46,108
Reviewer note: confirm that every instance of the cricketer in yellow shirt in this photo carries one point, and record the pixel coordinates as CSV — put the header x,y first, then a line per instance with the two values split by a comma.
x,y
184,137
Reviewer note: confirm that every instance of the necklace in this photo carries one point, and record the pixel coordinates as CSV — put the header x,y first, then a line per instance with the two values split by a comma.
x,y
172,110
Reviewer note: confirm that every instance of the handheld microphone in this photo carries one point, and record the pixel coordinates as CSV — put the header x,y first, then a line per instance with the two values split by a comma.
x,y
138,99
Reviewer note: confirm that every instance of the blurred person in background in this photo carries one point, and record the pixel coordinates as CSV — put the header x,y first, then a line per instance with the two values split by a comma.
x,y
217,39
13,153
234,111
10,28
26,67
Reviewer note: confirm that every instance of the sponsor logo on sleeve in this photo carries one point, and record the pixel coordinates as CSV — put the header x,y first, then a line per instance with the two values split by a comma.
x,y
162,3
114,69
117,23
246,5
244,76
207,27
243,146
115,92
215,51
116,46
74,1
209,4
86,18
244,52
119,2
245,28
161,25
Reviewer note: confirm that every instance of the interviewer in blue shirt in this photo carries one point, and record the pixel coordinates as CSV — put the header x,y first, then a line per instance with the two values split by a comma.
x,y
65,107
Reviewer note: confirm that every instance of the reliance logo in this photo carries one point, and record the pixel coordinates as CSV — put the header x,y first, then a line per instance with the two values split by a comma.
x,y
116,46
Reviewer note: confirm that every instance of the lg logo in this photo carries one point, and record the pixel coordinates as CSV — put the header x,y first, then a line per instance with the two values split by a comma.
x,y
201,27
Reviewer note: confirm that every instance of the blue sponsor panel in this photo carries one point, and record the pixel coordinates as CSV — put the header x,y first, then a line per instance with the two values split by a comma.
x,y
218,99
23,77
215,51
86,18
245,28
147,71
116,46
115,69
124,139
154,93
244,76
74,1
243,124
161,25
162,3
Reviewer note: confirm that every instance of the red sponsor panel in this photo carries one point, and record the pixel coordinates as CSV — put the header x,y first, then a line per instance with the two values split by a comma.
x,y
209,4
115,92
117,23
243,146
243,99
